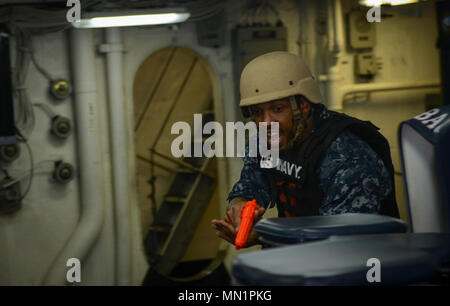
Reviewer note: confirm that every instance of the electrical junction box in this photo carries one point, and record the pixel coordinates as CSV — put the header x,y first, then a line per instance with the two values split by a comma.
x,y
361,32
211,31
365,64
251,42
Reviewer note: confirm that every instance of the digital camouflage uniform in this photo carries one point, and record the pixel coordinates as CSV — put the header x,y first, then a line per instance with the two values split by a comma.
x,y
351,175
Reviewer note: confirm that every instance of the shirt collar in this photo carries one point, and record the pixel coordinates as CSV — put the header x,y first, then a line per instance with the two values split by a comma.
x,y
319,113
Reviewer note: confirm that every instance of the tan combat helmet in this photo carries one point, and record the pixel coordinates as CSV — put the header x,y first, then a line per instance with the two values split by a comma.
x,y
277,75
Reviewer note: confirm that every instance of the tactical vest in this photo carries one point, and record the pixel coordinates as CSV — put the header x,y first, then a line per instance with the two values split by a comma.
x,y
302,196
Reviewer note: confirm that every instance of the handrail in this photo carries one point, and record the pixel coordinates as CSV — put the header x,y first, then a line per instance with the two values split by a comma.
x,y
152,163
219,258
155,163
180,163
172,107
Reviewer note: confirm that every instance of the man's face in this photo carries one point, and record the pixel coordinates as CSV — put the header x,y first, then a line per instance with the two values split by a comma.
x,y
275,111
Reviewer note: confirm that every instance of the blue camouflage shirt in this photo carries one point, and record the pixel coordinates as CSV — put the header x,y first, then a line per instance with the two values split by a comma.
x,y
352,176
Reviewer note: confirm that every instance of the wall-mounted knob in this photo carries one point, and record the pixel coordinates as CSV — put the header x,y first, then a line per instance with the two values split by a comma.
x,y
60,89
64,172
9,153
61,126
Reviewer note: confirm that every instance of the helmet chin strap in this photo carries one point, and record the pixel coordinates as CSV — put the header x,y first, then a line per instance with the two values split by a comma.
x,y
300,123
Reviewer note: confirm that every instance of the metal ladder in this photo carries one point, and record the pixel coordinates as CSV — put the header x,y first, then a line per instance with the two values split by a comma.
x,y
174,224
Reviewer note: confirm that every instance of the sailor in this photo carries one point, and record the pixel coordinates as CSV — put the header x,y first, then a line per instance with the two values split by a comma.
x,y
328,163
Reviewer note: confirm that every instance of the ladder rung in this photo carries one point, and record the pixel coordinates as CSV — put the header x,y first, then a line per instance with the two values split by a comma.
x,y
178,161
184,170
160,228
175,199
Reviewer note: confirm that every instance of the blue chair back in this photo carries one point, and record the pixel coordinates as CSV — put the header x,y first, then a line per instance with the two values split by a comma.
x,y
425,154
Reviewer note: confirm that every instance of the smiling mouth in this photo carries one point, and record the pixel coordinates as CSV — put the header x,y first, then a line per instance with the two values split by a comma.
x,y
277,138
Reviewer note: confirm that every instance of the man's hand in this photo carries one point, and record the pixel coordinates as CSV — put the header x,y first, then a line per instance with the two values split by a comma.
x,y
227,229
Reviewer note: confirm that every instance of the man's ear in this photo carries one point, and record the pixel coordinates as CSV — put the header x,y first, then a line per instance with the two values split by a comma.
x,y
305,106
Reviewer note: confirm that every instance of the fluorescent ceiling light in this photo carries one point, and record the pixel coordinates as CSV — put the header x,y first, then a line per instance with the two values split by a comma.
x,y
373,3
106,20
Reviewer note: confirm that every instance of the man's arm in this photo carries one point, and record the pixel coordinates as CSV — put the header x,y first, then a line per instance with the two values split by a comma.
x,y
353,177
252,185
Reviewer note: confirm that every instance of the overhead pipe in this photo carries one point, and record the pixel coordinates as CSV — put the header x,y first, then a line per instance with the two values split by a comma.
x,y
338,27
377,87
113,49
341,92
89,159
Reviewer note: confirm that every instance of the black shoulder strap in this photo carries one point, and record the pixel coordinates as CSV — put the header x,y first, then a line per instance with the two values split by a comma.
x,y
313,148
